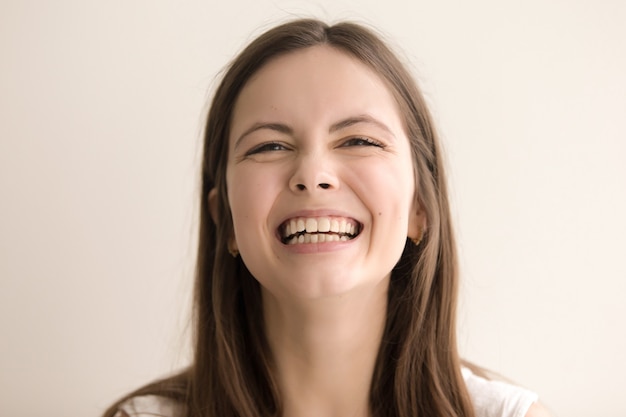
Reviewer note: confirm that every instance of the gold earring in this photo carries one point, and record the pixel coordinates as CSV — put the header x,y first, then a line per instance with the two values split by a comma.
x,y
232,249
416,241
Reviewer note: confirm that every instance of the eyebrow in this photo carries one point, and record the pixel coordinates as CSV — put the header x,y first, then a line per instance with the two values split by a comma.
x,y
342,124
277,127
363,118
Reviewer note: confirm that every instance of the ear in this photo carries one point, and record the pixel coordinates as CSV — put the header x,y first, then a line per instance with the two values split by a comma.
x,y
417,222
212,199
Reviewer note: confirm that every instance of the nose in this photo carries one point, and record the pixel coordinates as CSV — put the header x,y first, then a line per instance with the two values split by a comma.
x,y
312,173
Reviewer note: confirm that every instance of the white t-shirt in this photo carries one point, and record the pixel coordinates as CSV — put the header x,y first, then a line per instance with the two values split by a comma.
x,y
496,398
490,398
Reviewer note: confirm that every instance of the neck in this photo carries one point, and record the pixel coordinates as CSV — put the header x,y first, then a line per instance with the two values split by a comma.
x,y
325,350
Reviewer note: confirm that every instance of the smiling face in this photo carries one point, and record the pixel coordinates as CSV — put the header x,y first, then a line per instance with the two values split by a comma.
x,y
319,176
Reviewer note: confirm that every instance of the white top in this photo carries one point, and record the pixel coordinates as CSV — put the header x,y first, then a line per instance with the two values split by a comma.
x,y
490,398
496,398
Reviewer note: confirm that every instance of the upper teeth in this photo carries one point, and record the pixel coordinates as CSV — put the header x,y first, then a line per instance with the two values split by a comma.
x,y
319,224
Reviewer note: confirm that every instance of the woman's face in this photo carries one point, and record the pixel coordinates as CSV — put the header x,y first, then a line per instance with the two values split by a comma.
x,y
320,178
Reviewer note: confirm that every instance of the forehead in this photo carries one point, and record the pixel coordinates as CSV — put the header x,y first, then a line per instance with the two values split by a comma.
x,y
316,84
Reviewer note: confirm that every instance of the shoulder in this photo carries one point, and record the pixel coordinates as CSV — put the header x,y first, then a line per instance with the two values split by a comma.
x,y
537,410
499,399
151,406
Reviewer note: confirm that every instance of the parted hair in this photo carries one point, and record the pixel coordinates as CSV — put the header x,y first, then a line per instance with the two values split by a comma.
x,y
418,370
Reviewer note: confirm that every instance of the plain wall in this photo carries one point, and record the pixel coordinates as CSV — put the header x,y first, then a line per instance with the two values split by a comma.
x,y
101,106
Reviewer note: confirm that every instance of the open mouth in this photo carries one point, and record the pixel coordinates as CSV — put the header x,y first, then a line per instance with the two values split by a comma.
x,y
318,230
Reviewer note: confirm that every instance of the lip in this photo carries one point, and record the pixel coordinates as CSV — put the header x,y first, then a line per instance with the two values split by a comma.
x,y
316,213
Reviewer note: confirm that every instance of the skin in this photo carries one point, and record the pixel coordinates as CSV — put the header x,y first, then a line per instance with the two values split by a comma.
x,y
315,134
308,93
537,410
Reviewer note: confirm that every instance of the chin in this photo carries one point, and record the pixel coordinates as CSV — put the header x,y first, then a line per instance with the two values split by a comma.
x,y
326,284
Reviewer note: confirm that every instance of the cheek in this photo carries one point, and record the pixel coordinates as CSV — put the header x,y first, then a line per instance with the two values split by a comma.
x,y
251,196
387,187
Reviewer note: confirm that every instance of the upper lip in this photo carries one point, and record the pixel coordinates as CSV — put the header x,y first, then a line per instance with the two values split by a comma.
x,y
318,213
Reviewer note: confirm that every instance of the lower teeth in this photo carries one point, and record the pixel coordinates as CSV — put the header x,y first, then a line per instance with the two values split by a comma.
x,y
317,238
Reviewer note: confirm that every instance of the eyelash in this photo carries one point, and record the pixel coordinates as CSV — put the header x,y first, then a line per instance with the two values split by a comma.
x,y
362,141
277,146
266,147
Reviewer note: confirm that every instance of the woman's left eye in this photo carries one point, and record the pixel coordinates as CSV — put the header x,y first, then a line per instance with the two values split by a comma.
x,y
362,141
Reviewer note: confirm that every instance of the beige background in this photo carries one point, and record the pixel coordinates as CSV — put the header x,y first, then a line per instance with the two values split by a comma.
x,y
100,109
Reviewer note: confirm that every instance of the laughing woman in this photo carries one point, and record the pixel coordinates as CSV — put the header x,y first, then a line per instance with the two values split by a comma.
x,y
327,275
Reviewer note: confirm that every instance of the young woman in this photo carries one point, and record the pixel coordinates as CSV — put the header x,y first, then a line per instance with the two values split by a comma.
x,y
327,274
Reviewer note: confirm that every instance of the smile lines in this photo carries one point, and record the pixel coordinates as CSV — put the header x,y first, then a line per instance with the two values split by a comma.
x,y
318,230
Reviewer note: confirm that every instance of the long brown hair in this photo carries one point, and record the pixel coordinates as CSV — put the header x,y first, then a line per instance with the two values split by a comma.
x,y
417,372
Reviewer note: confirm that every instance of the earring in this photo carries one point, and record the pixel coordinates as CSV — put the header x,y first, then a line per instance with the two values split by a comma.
x,y
416,241
232,249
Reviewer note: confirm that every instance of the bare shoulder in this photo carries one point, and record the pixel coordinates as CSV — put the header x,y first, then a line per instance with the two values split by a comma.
x,y
538,410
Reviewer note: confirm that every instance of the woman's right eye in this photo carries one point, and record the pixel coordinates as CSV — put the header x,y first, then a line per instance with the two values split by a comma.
x,y
266,147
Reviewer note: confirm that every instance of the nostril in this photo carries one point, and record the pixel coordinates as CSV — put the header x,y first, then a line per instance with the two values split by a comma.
x,y
324,185
301,187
